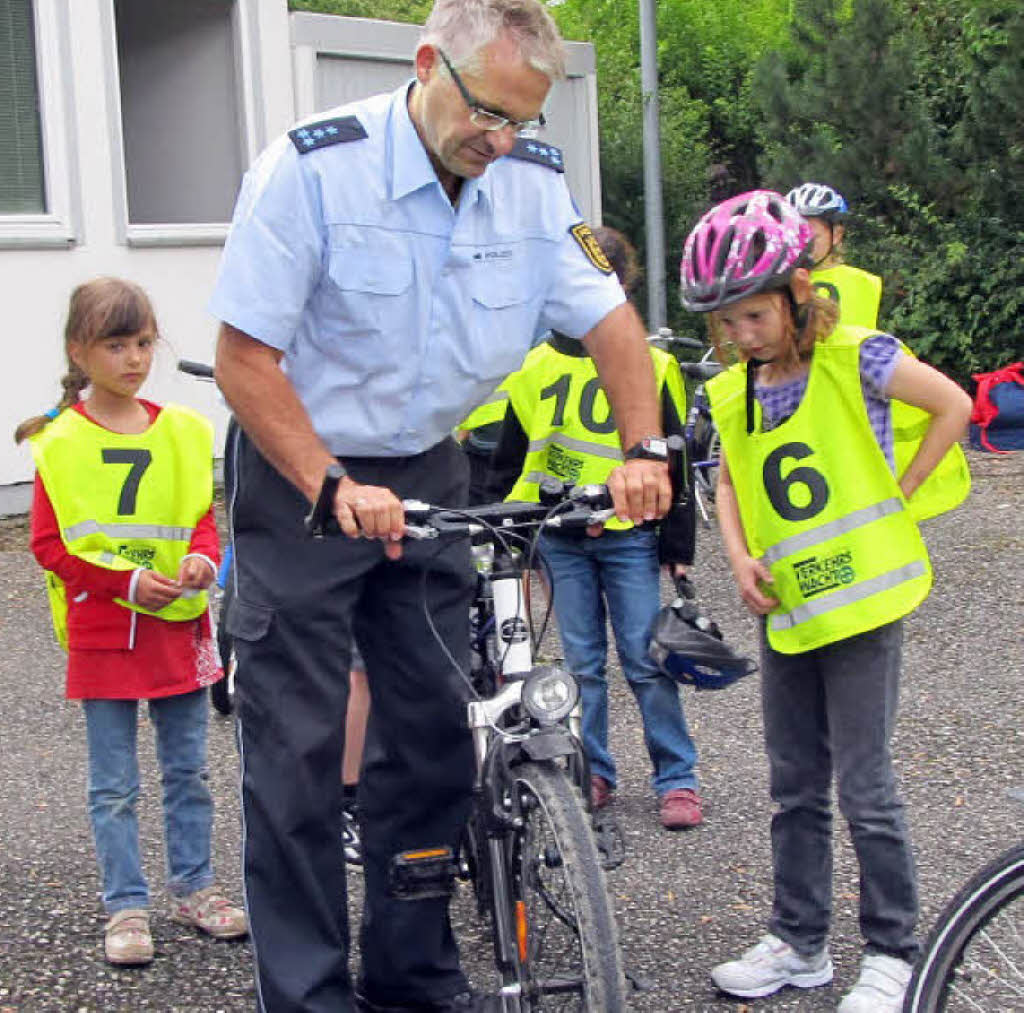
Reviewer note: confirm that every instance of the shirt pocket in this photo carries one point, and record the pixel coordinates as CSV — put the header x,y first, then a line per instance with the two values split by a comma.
x,y
505,310
368,291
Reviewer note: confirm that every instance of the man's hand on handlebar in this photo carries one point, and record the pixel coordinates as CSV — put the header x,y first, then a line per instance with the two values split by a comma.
x,y
640,490
370,511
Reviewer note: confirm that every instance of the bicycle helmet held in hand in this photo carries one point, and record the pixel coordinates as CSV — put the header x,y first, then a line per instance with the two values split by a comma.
x,y
689,648
747,244
817,200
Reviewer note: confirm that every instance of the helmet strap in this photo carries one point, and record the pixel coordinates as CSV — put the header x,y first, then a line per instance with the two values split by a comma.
x,y
752,365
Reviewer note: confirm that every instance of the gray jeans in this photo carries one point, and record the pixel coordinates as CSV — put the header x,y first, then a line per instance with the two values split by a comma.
x,y
834,709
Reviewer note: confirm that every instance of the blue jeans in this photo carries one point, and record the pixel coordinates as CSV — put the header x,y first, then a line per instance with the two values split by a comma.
x,y
616,576
111,730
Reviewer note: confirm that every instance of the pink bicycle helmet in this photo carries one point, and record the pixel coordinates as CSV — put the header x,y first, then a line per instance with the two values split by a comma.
x,y
746,244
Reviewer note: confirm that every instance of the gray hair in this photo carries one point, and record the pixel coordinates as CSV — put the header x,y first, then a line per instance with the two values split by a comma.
x,y
463,27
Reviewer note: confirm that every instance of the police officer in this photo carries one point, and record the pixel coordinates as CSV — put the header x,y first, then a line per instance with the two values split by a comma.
x,y
387,266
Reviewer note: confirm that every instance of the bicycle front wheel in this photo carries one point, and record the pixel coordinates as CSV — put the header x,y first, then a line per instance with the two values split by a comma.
x,y
974,957
566,934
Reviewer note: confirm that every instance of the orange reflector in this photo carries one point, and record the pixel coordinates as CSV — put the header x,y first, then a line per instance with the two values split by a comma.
x,y
412,856
521,930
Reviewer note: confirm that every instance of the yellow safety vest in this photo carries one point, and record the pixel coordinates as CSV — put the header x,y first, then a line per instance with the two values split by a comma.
x,y
125,501
568,422
856,292
820,507
491,411
950,481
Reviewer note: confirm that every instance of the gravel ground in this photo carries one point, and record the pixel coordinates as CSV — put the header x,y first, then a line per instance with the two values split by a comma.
x,y
684,901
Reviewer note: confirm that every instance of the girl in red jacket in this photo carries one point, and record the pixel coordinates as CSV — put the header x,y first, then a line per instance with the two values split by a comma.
x,y
122,521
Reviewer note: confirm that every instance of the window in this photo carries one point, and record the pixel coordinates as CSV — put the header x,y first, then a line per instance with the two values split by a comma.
x,y
182,138
36,161
21,146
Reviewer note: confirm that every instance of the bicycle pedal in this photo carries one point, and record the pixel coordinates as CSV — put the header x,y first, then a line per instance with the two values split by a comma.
x,y
423,873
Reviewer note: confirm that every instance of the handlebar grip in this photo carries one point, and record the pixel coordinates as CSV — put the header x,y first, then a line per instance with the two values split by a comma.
x,y
317,519
677,467
200,369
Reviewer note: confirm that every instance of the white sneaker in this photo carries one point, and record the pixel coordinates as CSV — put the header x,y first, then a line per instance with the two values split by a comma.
x,y
883,981
768,966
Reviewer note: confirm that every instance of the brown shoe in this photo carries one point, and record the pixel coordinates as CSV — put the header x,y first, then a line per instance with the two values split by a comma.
x,y
681,809
600,792
127,940
211,912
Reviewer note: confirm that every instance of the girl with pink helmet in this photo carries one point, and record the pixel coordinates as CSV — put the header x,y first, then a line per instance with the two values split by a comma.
x,y
818,507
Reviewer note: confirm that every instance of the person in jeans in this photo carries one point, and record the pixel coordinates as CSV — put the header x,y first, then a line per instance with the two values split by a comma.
x,y
819,521
122,522
558,424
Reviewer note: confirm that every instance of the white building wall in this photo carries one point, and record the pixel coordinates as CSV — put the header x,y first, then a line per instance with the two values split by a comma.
x,y
40,264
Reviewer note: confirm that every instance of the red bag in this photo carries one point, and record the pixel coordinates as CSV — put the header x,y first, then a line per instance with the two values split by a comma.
x,y
986,410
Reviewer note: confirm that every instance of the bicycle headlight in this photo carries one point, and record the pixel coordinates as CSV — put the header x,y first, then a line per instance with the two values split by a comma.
x,y
549,694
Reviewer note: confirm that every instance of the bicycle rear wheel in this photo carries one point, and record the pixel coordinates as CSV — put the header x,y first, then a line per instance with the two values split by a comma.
x,y
974,957
568,941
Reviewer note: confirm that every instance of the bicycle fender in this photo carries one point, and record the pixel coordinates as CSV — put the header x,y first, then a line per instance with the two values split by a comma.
x,y
549,744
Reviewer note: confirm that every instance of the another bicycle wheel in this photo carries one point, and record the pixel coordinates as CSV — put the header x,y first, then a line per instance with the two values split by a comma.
x,y
568,942
974,957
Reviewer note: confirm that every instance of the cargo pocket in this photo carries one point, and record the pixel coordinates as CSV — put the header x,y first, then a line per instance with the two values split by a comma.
x,y
248,622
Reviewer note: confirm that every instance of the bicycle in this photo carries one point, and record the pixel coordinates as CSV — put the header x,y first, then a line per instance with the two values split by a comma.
x,y
974,957
528,850
701,435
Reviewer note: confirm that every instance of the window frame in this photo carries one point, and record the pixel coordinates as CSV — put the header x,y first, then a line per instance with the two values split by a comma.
x,y
245,28
61,224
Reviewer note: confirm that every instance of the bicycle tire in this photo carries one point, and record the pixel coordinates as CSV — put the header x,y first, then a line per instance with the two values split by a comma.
x,y
974,956
569,950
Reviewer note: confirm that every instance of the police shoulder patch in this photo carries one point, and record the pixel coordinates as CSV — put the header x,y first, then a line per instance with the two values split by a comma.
x,y
530,150
591,247
327,132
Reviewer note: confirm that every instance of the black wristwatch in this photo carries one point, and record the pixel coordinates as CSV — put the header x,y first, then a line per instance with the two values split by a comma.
x,y
650,448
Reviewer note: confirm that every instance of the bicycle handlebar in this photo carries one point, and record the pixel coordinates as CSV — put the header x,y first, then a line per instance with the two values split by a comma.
x,y
701,371
200,369
588,504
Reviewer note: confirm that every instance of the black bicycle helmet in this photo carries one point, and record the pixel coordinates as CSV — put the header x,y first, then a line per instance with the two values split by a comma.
x,y
688,647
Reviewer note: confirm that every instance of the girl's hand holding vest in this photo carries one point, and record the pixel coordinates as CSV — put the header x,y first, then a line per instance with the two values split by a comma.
x,y
154,591
196,574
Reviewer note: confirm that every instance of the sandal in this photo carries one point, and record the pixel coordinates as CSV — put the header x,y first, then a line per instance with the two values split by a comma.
x,y
127,940
211,912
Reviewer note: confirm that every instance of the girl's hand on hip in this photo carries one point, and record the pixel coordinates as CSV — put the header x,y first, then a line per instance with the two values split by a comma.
x,y
750,575
154,591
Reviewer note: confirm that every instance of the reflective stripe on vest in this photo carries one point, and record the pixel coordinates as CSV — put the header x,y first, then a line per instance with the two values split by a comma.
x,y
100,483
155,531
852,521
847,596
820,506
564,413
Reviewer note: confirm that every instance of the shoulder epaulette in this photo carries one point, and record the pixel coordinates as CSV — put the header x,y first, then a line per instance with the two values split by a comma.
x,y
530,150
327,132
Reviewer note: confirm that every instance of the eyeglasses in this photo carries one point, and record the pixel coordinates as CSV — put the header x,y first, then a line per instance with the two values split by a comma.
x,y
487,119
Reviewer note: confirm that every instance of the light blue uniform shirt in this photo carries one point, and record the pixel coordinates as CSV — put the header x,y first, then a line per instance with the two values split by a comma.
x,y
397,313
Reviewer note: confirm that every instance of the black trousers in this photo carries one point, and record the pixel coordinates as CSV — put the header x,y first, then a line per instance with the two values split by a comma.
x,y
298,602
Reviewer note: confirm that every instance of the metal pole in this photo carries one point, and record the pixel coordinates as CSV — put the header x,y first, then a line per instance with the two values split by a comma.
x,y
653,206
